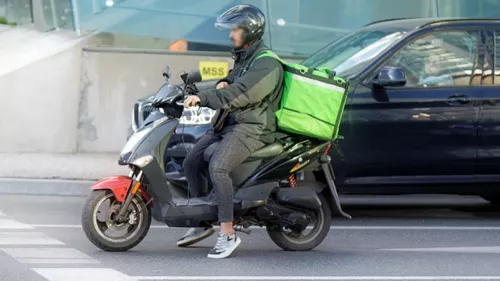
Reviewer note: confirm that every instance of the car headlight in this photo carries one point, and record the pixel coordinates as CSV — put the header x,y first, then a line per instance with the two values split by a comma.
x,y
197,116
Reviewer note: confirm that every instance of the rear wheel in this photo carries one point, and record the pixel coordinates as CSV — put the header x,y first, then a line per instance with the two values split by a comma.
x,y
101,228
311,237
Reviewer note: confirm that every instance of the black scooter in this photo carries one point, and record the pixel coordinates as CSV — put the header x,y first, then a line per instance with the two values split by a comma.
x,y
297,214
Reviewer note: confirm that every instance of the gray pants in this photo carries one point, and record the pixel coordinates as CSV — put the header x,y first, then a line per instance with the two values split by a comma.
x,y
232,150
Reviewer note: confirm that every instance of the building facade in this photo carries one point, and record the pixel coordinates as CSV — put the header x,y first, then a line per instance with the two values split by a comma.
x,y
295,27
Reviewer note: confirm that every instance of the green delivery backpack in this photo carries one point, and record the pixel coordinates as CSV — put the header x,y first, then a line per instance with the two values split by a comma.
x,y
313,100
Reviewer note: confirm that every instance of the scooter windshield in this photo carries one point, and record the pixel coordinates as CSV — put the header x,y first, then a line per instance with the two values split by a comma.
x,y
141,134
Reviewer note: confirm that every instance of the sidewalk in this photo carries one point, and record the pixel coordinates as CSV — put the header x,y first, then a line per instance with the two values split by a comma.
x,y
55,174
60,166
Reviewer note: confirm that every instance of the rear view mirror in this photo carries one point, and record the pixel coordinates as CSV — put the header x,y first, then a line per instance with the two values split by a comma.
x,y
390,76
166,72
193,77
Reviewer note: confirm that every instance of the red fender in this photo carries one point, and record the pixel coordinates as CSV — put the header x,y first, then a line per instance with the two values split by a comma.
x,y
119,185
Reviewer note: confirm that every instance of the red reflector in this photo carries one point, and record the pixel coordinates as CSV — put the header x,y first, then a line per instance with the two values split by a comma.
x,y
328,148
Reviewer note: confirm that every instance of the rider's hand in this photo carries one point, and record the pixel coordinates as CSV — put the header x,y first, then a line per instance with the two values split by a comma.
x,y
191,101
221,85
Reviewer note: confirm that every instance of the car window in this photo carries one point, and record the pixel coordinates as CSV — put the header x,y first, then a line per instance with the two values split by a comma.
x,y
350,54
493,50
441,59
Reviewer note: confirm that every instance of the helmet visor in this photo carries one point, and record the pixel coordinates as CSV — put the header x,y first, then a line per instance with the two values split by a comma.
x,y
223,22
225,25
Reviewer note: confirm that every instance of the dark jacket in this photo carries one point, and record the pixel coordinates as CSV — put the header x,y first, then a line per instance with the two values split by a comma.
x,y
249,103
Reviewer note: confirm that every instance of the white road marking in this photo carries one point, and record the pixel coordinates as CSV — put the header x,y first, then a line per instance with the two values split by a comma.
x,y
6,223
56,225
82,274
58,261
472,250
49,255
333,278
423,227
347,227
27,238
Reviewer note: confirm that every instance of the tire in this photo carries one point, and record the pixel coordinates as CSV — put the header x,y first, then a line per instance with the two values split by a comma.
x,y
97,236
287,243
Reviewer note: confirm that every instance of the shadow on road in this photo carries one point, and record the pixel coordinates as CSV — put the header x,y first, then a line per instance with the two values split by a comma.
x,y
415,206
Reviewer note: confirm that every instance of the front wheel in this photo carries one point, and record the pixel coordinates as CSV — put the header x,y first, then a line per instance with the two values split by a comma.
x,y
311,237
101,228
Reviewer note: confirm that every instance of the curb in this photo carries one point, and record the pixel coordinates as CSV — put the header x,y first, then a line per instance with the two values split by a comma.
x,y
45,187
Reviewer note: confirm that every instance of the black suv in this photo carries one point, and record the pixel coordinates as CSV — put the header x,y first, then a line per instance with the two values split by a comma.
x,y
422,114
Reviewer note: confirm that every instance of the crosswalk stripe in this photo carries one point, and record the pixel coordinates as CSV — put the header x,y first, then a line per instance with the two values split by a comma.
x,y
6,223
58,261
49,255
27,238
82,274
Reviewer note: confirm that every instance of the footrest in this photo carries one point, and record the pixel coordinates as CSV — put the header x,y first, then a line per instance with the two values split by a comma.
x,y
192,201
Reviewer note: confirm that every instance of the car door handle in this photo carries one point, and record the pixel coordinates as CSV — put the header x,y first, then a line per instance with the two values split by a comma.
x,y
458,99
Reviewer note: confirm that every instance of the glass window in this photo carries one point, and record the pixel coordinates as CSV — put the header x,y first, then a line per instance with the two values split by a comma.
x,y
16,12
58,14
294,27
493,47
3,9
301,27
467,8
439,60
350,54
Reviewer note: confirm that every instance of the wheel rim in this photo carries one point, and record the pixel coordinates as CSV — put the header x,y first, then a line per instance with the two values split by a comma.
x,y
310,232
102,219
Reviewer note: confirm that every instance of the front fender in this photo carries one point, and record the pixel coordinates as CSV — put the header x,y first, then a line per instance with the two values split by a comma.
x,y
119,185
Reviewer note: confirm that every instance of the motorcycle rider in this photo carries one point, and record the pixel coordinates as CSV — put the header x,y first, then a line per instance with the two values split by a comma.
x,y
246,100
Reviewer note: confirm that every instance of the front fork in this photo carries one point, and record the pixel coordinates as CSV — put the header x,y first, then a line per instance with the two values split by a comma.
x,y
134,186
330,176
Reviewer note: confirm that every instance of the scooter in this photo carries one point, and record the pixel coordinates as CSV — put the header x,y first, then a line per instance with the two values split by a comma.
x,y
296,214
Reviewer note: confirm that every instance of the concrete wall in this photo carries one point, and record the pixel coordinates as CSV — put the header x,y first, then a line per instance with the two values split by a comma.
x,y
39,104
112,83
81,100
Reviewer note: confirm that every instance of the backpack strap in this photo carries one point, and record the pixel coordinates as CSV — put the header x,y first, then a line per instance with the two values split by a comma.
x,y
263,53
267,53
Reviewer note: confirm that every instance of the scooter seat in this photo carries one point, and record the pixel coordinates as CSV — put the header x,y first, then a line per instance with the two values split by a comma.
x,y
264,152
271,150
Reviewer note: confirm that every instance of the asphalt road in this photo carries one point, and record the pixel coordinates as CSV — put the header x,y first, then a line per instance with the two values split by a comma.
x,y
390,238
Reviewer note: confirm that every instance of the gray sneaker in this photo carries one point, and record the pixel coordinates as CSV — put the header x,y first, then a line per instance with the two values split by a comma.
x,y
194,235
225,246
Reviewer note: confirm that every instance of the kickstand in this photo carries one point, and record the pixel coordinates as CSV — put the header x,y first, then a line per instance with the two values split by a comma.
x,y
240,228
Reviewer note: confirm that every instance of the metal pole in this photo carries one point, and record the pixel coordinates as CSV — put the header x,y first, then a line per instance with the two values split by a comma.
x,y
76,18
54,14
269,24
437,8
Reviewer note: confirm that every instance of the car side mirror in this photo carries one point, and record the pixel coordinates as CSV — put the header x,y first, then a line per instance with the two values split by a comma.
x,y
390,76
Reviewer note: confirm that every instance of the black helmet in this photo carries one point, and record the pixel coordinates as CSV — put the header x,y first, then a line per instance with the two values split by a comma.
x,y
248,17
